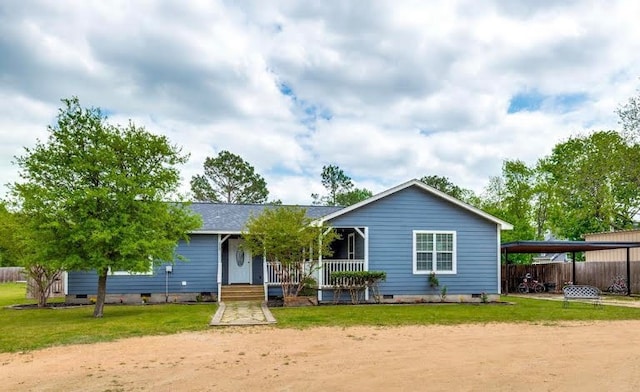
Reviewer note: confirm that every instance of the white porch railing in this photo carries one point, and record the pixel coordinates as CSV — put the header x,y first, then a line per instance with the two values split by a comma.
x,y
275,271
329,266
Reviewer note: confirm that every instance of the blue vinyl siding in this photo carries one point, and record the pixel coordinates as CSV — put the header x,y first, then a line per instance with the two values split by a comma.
x,y
391,221
199,270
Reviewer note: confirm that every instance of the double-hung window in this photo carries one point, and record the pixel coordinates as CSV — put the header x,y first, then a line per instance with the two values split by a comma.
x,y
434,251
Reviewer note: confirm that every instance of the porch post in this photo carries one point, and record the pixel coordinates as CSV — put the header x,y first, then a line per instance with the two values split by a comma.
x,y
506,270
219,277
320,269
573,268
366,258
221,240
628,272
265,279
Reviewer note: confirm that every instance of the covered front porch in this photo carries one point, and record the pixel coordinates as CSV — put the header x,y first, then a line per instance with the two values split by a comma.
x,y
242,275
350,253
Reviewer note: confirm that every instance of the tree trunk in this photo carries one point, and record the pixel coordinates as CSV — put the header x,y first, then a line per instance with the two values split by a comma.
x,y
41,279
43,296
102,292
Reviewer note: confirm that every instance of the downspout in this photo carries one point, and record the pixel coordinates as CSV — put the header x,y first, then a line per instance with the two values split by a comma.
x,y
166,284
65,276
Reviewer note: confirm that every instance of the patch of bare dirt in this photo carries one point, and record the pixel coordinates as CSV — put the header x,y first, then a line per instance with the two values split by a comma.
x,y
592,356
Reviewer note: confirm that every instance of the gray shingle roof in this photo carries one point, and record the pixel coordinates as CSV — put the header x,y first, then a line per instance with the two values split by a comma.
x,y
231,218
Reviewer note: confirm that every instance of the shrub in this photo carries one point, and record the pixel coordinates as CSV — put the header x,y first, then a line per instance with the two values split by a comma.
x,y
356,282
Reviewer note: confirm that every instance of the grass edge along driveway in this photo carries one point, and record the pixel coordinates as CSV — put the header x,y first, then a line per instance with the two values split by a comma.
x,y
516,310
33,329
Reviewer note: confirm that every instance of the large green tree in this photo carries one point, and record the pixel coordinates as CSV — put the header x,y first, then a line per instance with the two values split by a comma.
x,y
629,115
229,179
542,201
340,188
444,184
353,196
594,183
100,193
509,197
291,242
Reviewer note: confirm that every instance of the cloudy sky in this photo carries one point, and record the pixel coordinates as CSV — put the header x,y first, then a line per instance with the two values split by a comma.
x,y
387,90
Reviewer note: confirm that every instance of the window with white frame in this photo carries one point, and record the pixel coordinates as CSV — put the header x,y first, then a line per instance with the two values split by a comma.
x,y
434,251
125,273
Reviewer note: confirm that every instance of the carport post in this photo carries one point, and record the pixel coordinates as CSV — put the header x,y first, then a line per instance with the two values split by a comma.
x,y
573,267
628,272
506,269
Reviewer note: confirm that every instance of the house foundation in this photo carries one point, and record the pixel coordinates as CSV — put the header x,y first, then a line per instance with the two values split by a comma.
x,y
151,298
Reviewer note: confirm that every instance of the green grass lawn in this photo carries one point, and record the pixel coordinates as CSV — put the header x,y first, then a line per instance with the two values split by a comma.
x,y
522,310
31,329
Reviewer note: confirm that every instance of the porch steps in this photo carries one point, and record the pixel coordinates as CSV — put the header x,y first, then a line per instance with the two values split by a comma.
x,y
242,292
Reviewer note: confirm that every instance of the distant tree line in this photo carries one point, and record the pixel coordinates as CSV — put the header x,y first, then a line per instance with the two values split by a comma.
x,y
93,196
589,183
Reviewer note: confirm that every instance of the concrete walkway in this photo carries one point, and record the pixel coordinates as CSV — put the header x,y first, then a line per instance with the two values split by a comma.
x,y
242,313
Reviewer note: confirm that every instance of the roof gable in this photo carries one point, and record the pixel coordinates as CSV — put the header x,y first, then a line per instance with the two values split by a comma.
x,y
424,187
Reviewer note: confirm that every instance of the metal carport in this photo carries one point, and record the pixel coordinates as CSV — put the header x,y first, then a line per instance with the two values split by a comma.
x,y
568,246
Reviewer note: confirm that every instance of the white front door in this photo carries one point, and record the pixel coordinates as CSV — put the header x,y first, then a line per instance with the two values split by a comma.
x,y
239,263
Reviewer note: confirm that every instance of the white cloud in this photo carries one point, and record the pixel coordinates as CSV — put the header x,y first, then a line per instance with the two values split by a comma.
x,y
387,90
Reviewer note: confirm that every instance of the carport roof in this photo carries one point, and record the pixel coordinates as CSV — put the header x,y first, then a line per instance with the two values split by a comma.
x,y
563,246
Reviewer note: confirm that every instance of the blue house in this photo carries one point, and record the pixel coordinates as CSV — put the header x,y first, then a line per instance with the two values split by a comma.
x,y
408,231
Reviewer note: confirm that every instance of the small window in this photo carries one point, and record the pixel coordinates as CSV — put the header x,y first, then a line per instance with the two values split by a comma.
x,y
126,273
434,251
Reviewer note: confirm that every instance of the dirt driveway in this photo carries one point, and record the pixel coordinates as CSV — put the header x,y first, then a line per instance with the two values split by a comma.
x,y
594,356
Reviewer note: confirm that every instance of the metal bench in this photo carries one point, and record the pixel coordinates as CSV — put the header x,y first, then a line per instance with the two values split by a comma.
x,y
581,292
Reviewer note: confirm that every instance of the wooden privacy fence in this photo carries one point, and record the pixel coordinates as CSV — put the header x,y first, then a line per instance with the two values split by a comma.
x,y
598,273
15,274
11,274
56,289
